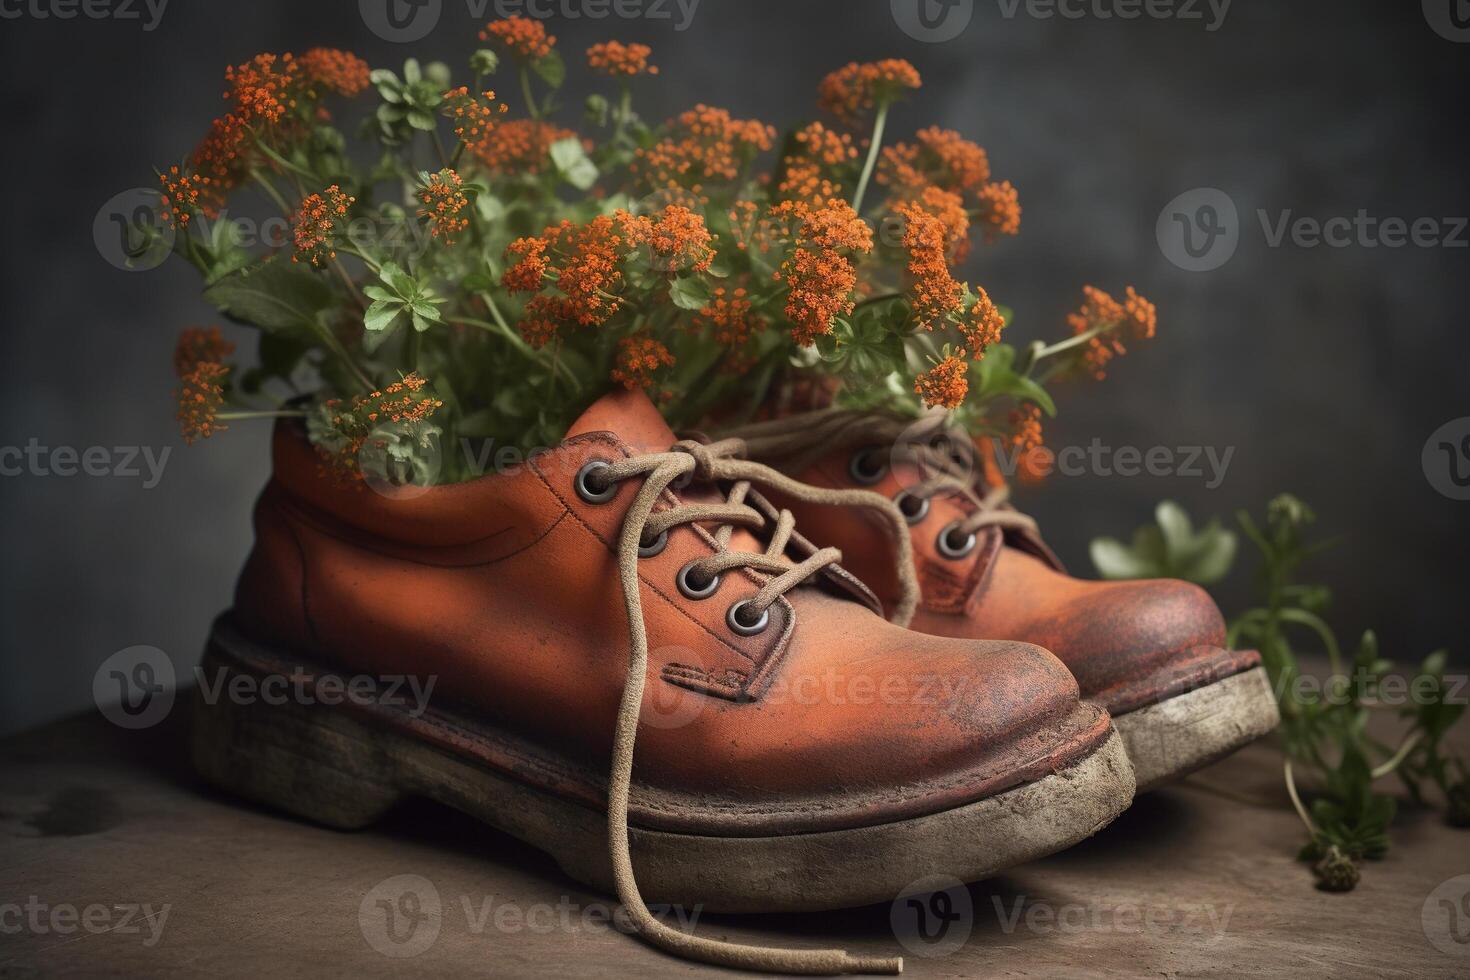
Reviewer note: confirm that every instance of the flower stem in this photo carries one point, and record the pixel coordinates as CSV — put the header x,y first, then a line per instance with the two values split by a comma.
x,y
1403,753
1296,800
263,414
526,94
878,120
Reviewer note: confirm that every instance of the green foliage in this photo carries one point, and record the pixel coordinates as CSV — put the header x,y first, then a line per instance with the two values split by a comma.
x,y
1170,548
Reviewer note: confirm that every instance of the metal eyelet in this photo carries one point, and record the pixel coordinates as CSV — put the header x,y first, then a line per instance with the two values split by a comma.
x,y
865,467
732,619
584,486
912,512
949,549
657,545
692,591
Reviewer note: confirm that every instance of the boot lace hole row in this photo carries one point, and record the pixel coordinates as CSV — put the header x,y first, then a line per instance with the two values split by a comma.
x,y
592,483
741,620
915,509
953,545
866,466
692,587
647,549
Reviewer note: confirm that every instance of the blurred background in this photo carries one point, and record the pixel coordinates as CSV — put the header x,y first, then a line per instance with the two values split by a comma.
x,y
1322,369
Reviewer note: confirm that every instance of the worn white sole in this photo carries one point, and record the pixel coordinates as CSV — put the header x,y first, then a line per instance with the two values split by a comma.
x,y
333,767
1184,733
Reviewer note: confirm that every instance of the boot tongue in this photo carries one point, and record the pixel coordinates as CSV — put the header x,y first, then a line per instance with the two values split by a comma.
x,y
635,419
629,415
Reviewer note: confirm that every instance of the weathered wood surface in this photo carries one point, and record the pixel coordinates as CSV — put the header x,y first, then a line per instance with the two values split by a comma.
x,y
95,821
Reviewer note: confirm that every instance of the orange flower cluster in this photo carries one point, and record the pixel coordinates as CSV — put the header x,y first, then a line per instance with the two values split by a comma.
x,y
677,239
853,89
818,272
637,359
944,385
338,71
1000,210
620,60
182,195
704,144
521,36
584,261
442,202
197,345
1101,312
314,225
473,116
981,325
941,157
400,403
265,87
933,291
201,394
803,172
726,318
519,146
1026,427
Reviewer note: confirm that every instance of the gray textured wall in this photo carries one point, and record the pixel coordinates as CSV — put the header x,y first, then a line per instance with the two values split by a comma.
x,y
1326,368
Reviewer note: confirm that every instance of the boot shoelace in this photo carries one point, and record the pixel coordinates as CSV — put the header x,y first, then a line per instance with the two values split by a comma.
x,y
642,531
799,441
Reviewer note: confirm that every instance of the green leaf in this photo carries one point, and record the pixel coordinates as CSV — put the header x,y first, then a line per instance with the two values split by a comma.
x,y
411,72
274,294
381,314
689,293
550,68
572,163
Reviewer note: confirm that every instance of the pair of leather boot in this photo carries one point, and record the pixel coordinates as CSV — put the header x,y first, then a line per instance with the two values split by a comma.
x,y
803,740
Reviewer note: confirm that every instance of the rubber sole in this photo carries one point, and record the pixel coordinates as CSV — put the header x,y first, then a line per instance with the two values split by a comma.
x,y
1189,731
340,768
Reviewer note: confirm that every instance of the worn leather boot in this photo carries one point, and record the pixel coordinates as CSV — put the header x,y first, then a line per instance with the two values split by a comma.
x,y
1151,652
795,750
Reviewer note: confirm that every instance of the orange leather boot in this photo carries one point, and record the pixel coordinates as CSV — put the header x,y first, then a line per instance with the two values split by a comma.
x,y
795,750
1151,652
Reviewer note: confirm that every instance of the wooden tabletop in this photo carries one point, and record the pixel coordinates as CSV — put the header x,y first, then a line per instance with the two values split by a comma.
x,y
114,860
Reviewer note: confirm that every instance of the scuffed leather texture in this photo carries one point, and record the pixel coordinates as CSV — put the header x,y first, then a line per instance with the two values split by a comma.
x,y
1129,644
506,589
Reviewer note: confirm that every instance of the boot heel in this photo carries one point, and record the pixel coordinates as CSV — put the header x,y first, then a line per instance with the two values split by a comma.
x,y
310,761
